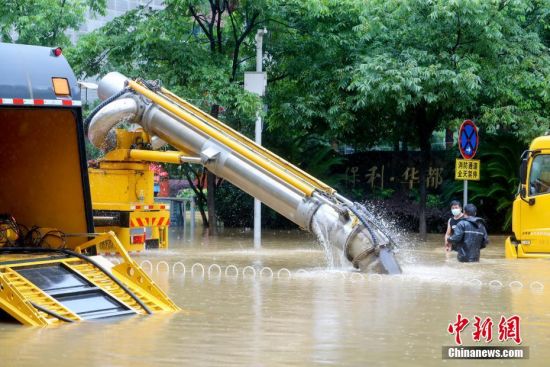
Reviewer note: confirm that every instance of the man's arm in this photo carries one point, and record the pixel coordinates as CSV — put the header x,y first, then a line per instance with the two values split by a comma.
x,y
458,234
447,234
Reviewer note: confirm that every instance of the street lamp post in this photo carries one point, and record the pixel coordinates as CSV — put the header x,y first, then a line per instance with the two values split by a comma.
x,y
258,139
256,82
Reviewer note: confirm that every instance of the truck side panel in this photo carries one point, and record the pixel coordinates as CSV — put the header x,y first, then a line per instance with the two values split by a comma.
x,y
41,175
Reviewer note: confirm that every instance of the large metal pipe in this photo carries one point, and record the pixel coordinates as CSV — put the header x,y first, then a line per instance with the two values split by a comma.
x,y
108,117
313,213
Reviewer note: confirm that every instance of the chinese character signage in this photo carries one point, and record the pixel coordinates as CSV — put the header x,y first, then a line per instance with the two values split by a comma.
x,y
508,329
397,171
467,169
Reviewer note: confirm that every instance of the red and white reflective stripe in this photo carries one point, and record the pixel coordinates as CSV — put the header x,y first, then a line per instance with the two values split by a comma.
x,y
39,102
140,207
149,207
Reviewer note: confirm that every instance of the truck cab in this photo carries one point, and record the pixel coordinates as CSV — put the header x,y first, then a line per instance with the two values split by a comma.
x,y
531,210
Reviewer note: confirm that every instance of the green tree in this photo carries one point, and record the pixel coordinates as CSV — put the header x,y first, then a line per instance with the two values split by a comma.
x,y
195,47
346,71
44,22
427,64
310,45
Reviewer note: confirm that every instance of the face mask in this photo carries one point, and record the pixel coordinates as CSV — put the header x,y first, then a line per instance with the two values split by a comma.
x,y
455,212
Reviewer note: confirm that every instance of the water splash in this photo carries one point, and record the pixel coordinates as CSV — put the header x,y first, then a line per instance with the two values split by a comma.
x,y
389,226
322,238
322,224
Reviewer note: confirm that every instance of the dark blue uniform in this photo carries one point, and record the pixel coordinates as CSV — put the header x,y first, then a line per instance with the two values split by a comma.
x,y
469,237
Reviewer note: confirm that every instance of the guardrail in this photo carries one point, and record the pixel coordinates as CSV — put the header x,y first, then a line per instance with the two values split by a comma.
x,y
178,210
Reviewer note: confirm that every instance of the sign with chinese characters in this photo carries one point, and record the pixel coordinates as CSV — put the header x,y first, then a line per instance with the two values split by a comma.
x,y
399,171
467,169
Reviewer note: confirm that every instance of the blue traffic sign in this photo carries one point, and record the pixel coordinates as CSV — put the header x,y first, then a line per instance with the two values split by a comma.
x,y
468,139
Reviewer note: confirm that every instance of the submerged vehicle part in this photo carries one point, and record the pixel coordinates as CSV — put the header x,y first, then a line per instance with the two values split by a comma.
x,y
290,191
530,218
48,274
50,286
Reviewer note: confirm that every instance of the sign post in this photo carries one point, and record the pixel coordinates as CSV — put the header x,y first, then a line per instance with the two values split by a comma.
x,y
467,169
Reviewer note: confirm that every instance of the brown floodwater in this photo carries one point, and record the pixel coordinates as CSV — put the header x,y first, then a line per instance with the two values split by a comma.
x,y
283,305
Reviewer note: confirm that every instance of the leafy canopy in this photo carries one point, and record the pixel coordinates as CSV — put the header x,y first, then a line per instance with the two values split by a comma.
x,y
44,22
170,45
456,59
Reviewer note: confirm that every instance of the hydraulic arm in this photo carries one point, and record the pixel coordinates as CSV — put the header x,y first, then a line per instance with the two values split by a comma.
x,y
303,199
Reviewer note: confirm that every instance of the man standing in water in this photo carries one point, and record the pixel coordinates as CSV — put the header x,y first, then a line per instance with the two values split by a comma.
x,y
456,210
469,236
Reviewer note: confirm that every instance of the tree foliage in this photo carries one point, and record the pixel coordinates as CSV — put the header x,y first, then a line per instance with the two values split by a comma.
x,y
44,22
457,59
348,72
169,45
427,64
310,45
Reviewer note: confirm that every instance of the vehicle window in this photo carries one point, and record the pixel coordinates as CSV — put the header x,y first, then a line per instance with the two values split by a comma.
x,y
539,180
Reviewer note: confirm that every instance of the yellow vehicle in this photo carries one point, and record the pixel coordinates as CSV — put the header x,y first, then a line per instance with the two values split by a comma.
x,y
48,272
531,210
121,186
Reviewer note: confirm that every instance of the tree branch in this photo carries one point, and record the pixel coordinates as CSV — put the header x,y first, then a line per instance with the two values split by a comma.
x,y
246,58
218,26
211,25
276,78
233,26
58,23
238,43
198,19
458,34
207,31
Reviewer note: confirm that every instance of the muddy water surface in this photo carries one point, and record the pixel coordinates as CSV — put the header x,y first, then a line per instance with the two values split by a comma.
x,y
287,309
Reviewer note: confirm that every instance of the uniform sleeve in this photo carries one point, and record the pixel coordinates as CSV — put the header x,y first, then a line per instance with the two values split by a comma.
x,y
458,234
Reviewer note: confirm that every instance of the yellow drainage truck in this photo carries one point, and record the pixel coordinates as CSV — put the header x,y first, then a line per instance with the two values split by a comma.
x,y
531,210
48,274
121,186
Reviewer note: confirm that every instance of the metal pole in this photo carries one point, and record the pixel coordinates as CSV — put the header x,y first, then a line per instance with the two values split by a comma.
x,y
258,203
258,139
192,210
183,204
465,198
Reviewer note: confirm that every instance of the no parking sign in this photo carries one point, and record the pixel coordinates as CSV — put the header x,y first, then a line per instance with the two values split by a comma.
x,y
468,139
